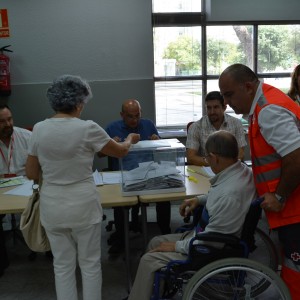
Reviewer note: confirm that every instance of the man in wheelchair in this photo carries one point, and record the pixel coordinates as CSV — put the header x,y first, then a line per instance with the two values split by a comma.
x,y
227,203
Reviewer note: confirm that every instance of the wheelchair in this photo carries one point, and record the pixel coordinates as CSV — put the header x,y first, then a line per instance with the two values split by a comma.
x,y
233,272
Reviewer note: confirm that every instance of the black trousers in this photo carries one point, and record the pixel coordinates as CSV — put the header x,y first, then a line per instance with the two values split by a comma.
x,y
163,217
4,262
289,237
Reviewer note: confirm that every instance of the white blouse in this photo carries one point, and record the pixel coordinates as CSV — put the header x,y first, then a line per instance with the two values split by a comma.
x,y
65,148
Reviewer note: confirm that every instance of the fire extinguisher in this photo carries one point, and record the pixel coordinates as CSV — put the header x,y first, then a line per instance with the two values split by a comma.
x,y
5,88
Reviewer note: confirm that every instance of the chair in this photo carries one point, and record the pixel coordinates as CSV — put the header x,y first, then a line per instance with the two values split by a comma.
x,y
188,125
177,274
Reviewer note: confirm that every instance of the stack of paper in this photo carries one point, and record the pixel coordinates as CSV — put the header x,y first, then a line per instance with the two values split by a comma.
x,y
151,175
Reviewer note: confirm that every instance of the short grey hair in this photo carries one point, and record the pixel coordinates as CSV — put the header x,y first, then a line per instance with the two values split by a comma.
x,y
67,91
222,143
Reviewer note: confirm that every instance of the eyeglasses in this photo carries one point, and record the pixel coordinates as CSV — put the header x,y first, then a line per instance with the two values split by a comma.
x,y
206,156
133,117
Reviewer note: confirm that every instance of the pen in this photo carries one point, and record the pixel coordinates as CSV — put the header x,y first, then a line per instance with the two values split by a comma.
x,y
192,178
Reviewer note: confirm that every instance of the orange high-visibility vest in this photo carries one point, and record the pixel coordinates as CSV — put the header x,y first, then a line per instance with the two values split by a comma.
x,y
266,162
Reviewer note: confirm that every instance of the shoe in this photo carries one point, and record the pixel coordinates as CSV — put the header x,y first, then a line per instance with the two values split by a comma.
x,y
126,298
116,248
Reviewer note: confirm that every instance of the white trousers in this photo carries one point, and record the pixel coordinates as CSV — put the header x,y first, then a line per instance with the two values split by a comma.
x,y
67,244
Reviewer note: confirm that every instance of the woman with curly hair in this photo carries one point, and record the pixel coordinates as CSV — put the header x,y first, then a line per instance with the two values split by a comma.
x,y
62,148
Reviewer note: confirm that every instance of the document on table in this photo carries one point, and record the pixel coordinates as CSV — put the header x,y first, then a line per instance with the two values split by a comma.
x,y
150,144
24,189
98,178
101,178
6,182
111,177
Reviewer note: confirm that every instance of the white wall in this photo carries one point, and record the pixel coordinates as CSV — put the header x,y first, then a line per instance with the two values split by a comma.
x,y
107,42
252,10
100,40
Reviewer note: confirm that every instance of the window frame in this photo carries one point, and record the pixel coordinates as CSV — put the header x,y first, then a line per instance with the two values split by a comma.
x,y
186,19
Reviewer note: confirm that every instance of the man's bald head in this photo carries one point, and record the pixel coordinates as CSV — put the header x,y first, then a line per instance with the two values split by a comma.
x,y
131,113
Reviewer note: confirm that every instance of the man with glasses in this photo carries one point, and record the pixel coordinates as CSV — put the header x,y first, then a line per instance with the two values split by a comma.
x,y
274,135
132,122
227,203
216,119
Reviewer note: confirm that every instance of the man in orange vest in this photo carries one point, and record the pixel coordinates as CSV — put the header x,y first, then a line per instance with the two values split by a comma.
x,y
274,125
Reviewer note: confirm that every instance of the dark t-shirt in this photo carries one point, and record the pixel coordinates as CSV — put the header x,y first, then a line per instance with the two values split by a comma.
x,y
146,129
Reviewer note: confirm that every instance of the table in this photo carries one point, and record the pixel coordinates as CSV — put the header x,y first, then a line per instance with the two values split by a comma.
x,y
192,189
110,197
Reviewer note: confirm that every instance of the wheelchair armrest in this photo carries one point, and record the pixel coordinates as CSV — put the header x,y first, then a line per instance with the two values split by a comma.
x,y
228,239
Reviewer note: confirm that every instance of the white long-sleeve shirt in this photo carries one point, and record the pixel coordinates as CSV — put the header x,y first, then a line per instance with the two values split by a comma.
x,y
227,202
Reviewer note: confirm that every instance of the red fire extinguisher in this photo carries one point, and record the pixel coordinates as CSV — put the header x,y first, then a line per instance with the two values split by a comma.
x,y
5,88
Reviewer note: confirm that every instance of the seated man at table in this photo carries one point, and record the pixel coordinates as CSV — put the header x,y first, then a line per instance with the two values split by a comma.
x,y
13,148
132,122
216,119
227,203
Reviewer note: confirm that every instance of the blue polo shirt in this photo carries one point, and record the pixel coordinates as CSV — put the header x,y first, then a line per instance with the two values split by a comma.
x,y
145,128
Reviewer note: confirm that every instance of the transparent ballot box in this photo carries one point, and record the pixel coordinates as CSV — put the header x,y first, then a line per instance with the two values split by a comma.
x,y
153,167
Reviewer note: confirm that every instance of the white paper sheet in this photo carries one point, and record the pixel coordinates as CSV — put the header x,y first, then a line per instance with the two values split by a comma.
x,y
150,144
98,178
111,177
23,190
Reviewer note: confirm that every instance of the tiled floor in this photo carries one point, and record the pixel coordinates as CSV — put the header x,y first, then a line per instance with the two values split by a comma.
x,y
34,280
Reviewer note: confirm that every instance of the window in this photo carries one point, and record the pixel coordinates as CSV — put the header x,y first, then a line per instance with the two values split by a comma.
x,y
177,61
227,45
190,53
163,6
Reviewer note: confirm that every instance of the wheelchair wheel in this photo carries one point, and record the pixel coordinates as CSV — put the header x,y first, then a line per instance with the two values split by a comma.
x,y
266,252
235,278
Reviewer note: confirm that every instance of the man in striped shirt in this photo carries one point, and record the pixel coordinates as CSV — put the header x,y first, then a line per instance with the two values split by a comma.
x,y
215,120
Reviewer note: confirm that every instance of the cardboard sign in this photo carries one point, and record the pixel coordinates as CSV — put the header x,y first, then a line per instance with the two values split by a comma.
x,y
4,29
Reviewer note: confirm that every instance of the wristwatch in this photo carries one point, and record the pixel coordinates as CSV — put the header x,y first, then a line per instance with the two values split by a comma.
x,y
280,199
35,186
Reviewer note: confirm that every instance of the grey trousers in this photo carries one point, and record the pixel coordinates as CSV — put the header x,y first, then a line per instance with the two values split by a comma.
x,y
150,263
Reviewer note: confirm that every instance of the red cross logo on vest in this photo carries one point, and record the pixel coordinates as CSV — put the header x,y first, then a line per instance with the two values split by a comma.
x,y
295,256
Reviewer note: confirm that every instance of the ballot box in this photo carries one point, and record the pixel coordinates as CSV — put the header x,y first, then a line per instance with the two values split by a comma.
x,y
153,167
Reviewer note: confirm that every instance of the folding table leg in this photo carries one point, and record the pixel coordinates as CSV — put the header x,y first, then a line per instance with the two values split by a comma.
x,y
126,237
144,224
